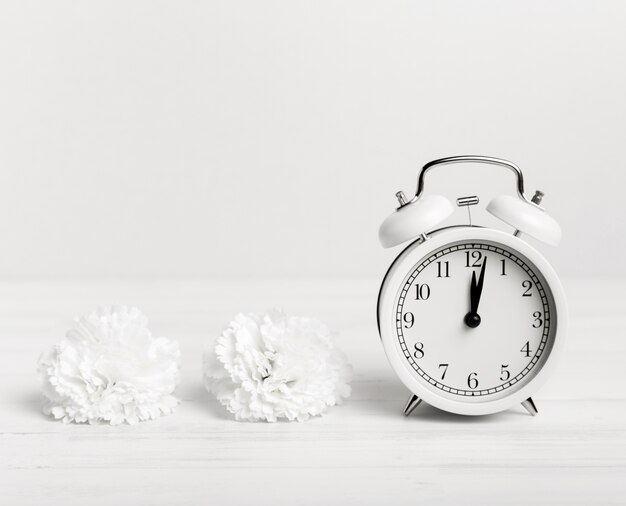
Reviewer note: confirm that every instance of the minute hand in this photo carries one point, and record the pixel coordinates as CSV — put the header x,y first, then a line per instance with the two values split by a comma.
x,y
477,288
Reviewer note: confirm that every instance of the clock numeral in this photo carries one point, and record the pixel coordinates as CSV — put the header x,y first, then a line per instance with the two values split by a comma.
x,y
422,292
527,285
443,271
419,350
504,373
445,370
409,320
503,273
472,380
538,321
475,260
526,349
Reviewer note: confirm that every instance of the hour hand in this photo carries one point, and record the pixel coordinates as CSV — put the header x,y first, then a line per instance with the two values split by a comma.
x,y
474,297
479,285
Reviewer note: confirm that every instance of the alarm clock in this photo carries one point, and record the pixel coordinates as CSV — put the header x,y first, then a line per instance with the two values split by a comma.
x,y
471,318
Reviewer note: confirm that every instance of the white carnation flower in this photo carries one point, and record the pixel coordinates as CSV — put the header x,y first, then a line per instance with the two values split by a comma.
x,y
271,366
109,368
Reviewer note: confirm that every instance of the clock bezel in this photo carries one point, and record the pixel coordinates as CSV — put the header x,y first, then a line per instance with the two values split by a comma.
x,y
393,282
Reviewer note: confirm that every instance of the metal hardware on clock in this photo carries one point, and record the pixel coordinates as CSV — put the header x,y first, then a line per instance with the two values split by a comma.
x,y
471,318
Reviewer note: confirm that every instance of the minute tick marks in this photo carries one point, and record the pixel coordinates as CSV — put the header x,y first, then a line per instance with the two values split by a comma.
x,y
487,357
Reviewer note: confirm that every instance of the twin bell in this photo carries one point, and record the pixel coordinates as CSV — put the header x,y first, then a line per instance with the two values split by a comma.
x,y
423,213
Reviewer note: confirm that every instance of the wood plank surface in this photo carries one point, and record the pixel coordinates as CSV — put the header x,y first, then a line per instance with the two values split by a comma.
x,y
363,452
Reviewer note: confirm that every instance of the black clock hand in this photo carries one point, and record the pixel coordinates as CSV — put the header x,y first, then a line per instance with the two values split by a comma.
x,y
472,319
474,298
479,287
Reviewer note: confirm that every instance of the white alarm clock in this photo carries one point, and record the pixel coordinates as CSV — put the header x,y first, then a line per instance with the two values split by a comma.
x,y
471,318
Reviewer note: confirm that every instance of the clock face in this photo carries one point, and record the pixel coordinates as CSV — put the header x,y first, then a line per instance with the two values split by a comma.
x,y
474,320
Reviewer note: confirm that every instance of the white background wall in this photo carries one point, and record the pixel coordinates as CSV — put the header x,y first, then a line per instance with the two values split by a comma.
x,y
248,138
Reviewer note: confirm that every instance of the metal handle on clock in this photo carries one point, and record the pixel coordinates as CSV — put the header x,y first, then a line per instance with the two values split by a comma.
x,y
473,159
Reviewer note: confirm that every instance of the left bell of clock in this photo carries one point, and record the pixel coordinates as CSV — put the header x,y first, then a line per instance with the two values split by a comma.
x,y
413,218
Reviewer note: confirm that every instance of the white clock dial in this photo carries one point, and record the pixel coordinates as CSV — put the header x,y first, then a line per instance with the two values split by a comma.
x,y
474,319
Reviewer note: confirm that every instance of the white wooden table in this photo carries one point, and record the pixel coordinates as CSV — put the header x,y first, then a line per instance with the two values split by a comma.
x,y
364,452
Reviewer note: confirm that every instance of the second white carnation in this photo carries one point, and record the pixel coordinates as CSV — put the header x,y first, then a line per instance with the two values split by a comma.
x,y
264,367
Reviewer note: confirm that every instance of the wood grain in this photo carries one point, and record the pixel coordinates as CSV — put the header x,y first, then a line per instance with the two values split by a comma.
x,y
363,452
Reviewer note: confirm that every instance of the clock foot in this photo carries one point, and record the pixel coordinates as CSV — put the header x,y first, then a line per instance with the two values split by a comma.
x,y
411,404
529,404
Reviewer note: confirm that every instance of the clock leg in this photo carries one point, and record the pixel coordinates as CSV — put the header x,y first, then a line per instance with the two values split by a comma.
x,y
529,404
411,404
